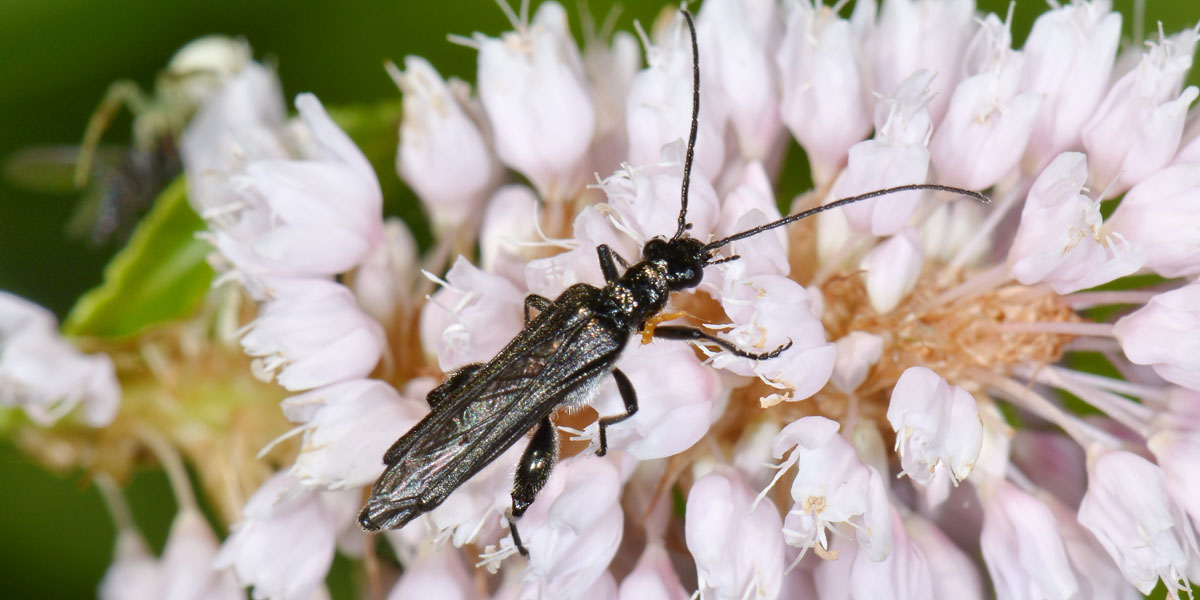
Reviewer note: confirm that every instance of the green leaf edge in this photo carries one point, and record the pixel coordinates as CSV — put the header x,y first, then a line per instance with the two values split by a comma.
x,y
161,275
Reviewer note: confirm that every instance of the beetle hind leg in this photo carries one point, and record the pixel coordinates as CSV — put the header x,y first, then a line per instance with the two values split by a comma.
x,y
532,473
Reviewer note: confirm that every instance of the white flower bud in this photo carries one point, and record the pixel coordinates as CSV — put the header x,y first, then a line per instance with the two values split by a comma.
x,y
659,107
1061,239
892,270
440,574
988,123
1021,546
313,335
284,544
347,427
472,319
832,489
1127,508
1137,128
45,375
914,35
653,578
737,544
1154,215
443,155
824,101
1068,59
857,352
736,36
897,155
936,426
535,92
1162,334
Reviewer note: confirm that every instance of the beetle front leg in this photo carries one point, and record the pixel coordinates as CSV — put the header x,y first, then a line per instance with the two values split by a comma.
x,y
608,263
536,302
532,473
629,397
673,332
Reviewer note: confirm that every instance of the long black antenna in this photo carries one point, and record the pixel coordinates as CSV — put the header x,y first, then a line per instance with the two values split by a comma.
x,y
691,147
844,201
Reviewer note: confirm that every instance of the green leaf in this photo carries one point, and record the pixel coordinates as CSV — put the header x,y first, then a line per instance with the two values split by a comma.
x,y
159,276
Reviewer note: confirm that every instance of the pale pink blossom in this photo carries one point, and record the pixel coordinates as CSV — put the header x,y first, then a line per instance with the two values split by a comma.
x,y
1176,447
897,155
243,121
659,107
1128,510
283,545
646,198
508,237
737,542
653,578
1153,215
738,37
134,573
324,210
855,573
187,562
856,354
313,335
1021,546
914,35
439,574
573,529
892,268
1162,335
534,89
383,283
670,419
1137,128
347,427
45,375
1062,239
989,120
937,426
443,154
953,574
832,489
769,311
1068,59
823,96
472,318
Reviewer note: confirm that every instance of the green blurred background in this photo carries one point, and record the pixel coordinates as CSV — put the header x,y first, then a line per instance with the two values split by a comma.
x,y
58,58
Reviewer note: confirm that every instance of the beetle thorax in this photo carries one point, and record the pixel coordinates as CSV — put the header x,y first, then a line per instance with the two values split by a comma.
x,y
639,294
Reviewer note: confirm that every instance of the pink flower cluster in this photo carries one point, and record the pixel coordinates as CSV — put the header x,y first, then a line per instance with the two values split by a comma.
x,y
915,319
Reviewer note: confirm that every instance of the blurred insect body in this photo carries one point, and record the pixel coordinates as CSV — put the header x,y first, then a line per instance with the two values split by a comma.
x,y
120,183
557,361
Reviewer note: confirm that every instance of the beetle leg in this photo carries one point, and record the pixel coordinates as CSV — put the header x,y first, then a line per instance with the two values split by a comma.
x,y
631,407
608,263
535,301
455,379
673,332
532,473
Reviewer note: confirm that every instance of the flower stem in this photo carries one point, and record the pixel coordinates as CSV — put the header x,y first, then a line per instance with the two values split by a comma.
x,y
1066,328
1085,435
